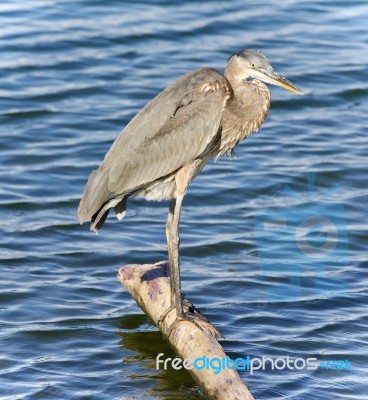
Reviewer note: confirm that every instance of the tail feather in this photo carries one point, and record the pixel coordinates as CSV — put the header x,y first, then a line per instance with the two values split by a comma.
x,y
95,194
99,218
97,200
120,208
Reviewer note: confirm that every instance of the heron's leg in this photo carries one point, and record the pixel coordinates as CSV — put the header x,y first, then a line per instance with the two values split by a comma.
x,y
176,302
173,243
184,310
174,263
170,218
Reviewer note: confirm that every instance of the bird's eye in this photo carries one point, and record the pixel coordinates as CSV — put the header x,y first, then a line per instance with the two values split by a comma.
x,y
253,65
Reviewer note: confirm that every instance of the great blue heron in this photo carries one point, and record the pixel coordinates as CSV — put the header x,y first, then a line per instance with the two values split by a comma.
x,y
203,114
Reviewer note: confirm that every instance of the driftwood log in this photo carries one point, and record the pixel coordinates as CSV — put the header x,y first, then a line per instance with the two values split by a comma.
x,y
149,285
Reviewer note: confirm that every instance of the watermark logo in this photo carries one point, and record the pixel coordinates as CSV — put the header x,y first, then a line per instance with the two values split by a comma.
x,y
303,243
251,364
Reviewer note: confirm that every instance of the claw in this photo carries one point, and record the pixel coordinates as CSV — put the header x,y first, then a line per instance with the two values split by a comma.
x,y
192,314
164,315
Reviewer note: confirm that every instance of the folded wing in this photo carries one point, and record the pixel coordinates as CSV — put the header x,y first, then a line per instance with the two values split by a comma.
x,y
174,128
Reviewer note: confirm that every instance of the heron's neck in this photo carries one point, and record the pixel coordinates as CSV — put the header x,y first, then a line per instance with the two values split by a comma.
x,y
252,97
244,113
255,99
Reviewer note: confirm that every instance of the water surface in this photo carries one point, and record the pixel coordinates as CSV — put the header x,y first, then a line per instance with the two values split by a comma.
x,y
72,75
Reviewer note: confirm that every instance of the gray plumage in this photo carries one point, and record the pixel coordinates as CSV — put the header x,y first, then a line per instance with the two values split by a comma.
x,y
203,114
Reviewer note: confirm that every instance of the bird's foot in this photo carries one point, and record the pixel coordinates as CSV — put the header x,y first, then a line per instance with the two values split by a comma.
x,y
192,314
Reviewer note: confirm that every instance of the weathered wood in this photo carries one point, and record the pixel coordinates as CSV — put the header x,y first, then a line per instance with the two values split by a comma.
x,y
150,287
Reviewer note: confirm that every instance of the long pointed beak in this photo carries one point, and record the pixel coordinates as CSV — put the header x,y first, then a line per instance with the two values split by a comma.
x,y
276,79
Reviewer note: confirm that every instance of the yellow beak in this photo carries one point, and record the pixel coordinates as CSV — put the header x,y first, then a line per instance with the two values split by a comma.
x,y
274,78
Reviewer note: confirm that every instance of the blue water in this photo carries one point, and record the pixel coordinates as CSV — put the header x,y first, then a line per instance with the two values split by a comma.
x,y
274,243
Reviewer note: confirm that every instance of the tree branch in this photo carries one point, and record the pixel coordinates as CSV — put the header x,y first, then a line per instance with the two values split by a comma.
x,y
150,287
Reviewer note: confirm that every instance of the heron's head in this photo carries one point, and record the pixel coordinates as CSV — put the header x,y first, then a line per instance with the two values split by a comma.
x,y
252,64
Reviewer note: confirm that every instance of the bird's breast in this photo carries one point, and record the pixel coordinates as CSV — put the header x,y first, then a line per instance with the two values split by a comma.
x,y
244,114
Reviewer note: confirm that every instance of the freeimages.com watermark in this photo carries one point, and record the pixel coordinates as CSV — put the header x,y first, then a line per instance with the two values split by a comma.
x,y
251,364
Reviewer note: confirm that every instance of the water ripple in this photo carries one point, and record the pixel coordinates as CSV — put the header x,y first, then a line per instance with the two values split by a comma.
x,y
72,75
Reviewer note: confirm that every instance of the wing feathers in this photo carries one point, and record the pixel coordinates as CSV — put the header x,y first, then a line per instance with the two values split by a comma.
x,y
173,129
181,139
